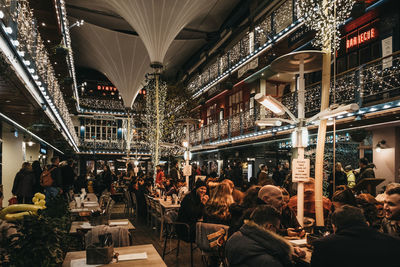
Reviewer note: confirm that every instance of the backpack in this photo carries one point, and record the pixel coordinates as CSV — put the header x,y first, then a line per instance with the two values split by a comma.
x,y
45,178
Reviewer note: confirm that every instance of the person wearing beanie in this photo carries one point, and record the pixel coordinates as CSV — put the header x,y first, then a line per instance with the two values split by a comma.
x,y
191,210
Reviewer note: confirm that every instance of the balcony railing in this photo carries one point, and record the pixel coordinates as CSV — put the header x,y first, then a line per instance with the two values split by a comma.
x,y
375,82
21,29
272,27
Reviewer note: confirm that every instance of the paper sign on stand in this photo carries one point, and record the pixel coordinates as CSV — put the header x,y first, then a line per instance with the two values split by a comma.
x,y
300,170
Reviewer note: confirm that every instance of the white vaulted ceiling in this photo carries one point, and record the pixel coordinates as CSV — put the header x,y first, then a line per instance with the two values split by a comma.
x,y
133,33
122,58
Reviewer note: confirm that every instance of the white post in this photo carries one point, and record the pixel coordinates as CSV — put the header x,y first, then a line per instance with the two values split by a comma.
x,y
187,151
300,149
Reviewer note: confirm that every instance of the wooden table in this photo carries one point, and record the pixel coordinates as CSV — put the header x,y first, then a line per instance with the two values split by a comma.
x,y
165,205
168,204
76,225
153,258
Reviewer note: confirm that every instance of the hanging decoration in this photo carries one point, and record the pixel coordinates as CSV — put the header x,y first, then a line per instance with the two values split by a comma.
x,y
325,19
155,111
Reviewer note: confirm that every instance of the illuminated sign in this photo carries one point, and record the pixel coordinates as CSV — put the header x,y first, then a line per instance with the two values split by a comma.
x,y
361,38
106,88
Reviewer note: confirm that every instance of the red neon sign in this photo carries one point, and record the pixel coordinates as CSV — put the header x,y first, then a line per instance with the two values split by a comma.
x,y
361,38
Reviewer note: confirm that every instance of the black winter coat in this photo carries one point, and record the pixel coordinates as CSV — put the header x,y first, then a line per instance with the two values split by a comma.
x,y
356,246
191,210
255,246
23,185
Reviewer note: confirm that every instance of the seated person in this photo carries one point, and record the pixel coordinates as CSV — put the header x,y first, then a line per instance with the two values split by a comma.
x,y
288,218
309,201
217,208
391,222
272,195
191,210
240,212
354,243
257,244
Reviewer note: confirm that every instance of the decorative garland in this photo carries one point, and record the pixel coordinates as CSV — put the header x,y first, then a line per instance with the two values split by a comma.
x,y
154,129
320,16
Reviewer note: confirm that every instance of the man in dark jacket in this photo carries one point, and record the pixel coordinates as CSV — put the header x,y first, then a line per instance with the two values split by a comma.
x,y
68,175
354,243
23,184
366,170
191,210
174,173
257,244
263,178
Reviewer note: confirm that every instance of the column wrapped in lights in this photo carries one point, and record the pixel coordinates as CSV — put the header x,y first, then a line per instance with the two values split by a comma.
x,y
324,17
155,111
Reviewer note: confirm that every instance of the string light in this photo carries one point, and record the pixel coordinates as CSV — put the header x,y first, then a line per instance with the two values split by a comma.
x,y
31,46
320,16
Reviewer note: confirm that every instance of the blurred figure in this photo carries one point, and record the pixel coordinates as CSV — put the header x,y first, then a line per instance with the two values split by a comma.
x,y
263,178
351,178
68,175
343,197
276,176
241,211
175,173
354,243
366,170
23,185
160,175
288,217
309,201
37,171
340,178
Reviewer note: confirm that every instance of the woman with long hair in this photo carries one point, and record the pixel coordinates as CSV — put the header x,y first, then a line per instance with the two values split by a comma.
x,y
217,207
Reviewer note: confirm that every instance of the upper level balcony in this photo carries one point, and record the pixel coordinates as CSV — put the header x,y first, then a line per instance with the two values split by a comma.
x,y
373,86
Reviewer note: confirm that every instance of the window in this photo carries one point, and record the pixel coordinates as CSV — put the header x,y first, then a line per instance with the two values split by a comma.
x,y
353,60
236,104
212,114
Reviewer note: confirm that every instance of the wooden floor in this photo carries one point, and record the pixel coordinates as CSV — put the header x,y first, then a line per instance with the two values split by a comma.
x,y
146,235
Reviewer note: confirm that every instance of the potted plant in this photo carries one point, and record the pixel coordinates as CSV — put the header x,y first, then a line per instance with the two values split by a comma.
x,y
42,240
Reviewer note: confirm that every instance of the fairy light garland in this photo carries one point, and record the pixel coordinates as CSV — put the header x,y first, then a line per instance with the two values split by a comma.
x,y
31,47
320,16
152,118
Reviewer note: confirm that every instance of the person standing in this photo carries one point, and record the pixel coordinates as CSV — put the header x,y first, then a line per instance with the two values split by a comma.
x,y
175,173
23,185
37,171
351,178
340,178
366,170
160,177
54,188
68,176
263,178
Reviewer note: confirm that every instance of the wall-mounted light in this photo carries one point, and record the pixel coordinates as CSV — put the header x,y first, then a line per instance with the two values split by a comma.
x,y
381,145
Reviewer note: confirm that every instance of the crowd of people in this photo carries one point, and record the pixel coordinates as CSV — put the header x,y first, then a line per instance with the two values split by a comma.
x,y
55,179
360,229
